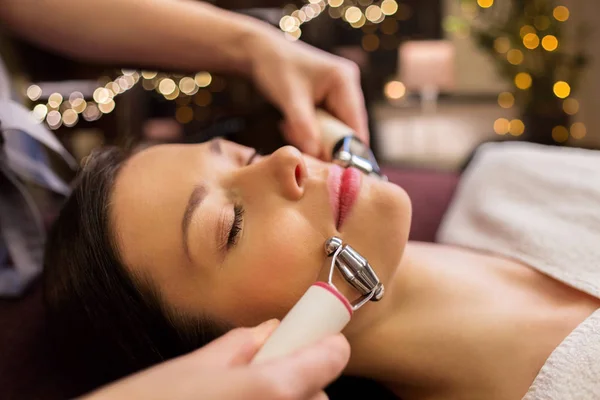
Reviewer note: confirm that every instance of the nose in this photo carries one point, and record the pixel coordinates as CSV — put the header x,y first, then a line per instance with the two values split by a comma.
x,y
288,168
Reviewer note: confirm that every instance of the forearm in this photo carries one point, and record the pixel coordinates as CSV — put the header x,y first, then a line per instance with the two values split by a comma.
x,y
172,34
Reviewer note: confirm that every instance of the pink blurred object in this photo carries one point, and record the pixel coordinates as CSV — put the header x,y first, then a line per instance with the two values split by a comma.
x,y
427,64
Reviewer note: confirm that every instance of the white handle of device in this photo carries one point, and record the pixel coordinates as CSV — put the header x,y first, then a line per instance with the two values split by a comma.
x,y
332,129
320,312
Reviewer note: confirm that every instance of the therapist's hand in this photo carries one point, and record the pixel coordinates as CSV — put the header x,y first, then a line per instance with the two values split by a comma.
x,y
297,77
221,371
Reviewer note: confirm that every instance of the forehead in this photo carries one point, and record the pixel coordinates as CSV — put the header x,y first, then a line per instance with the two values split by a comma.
x,y
148,200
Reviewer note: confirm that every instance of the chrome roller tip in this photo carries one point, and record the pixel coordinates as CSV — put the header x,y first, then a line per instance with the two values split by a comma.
x,y
332,244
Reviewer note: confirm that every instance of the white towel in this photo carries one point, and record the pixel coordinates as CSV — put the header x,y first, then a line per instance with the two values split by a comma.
x,y
540,205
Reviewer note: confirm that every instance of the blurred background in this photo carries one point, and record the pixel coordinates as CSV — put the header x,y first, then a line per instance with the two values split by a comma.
x,y
440,77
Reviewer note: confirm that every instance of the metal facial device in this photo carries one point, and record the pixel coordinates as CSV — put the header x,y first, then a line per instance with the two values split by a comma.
x,y
323,310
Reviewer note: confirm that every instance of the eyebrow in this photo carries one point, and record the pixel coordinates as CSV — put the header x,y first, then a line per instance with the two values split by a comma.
x,y
195,200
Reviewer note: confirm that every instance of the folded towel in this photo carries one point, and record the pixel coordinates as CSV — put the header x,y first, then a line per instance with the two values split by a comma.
x,y
541,206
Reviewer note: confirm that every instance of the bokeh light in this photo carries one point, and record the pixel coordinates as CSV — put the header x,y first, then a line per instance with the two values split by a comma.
x,y
394,90
516,128
39,112
550,43
501,126
514,56
506,100
54,100
523,80
370,42
389,7
203,79
502,44
34,92
70,118
562,90
485,3
571,106
578,130
561,13
531,41
560,134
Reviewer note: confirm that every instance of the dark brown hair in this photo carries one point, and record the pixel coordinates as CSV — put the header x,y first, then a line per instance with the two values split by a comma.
x,y
102,313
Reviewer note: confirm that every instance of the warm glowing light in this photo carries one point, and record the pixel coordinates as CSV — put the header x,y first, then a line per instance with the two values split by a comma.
x,y
501,126
295,35
91,112
114,87
203,98
39,112
506,100
578,130
523,80
502,45
485,3
389,7
79,106
562,90
173,95
288,23
128,72
34,92
542,23
149,74
516,127
514,56
527,29
550,43
531,41
70,118
129,81
184,115
353,14
102,95
335,3
107,107
54,119
394,90
76,98
188,86
560,134
360,23
203,79
561,13
373,13
54,100
167,86
370,42
571,106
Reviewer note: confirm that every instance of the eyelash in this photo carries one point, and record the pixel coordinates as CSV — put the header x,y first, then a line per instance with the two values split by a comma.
x,y
236,227
238,212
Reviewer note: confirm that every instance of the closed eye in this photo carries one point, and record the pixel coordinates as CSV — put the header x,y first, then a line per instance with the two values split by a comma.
x,y
236,226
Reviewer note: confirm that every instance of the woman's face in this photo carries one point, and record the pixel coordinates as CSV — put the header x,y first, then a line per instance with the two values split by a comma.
x,y
223,238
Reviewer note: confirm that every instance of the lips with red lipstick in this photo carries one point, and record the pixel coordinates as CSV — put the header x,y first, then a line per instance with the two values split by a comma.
x,y
344,186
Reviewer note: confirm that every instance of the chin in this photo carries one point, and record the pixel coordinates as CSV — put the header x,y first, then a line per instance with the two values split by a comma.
x,y
378,226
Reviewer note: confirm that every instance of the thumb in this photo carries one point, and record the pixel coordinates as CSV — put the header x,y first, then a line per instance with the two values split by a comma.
x,y
309,370
300,126
236,347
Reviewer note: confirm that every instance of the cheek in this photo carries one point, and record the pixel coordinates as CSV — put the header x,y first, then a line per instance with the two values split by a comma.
x,y
378,228
273,269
